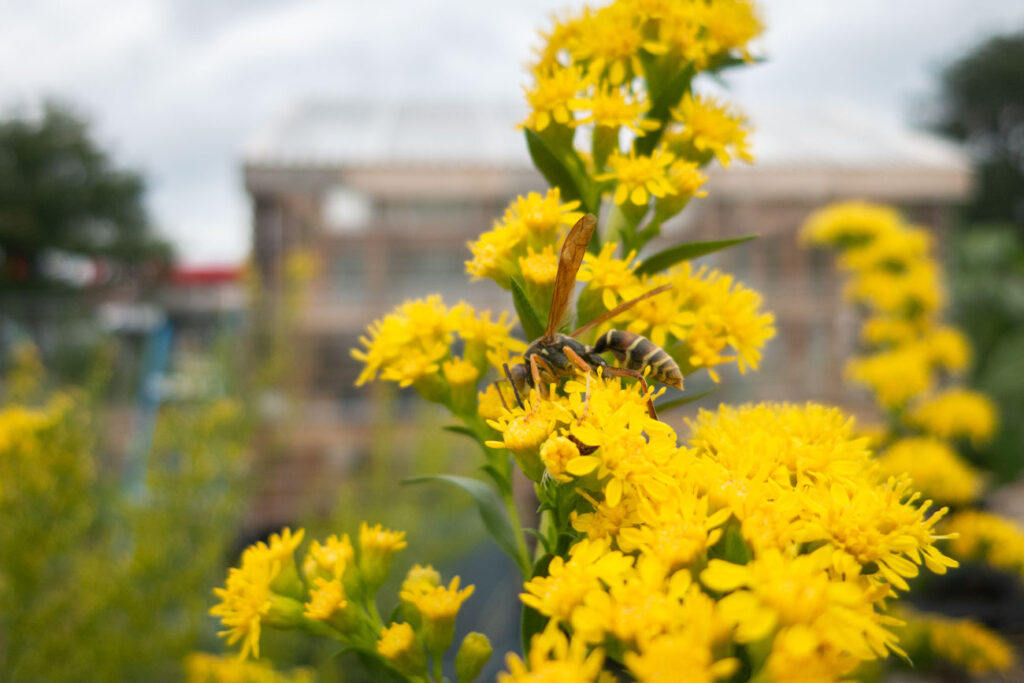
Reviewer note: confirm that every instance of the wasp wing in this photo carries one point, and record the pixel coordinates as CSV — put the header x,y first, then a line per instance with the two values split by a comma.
x,y
624,306
569,260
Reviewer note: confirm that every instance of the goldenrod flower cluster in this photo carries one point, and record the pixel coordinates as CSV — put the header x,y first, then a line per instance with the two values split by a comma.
x,y
935,468
201,667
332,593
705,319
988,538
963,642
912,357
910,365
771,525
413,346
612,100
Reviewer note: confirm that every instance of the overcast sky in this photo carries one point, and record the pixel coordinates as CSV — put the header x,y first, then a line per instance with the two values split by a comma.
x,y
176,88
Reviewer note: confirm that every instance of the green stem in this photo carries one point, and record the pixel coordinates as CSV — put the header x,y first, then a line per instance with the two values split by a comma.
x,y
502,464
371,609
438,673
513,515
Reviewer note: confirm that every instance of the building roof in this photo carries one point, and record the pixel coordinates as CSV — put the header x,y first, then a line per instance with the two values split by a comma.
x,y
800,148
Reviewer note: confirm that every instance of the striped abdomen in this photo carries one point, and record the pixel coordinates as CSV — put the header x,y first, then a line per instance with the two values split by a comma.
x,y
637,352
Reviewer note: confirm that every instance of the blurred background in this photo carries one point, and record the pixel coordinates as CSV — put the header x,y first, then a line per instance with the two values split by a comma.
x,y
202,205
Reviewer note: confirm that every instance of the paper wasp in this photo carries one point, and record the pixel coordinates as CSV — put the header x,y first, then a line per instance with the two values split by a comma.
x,y
554,355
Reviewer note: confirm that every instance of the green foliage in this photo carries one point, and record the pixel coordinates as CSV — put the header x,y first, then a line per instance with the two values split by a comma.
x,y
655,263
92,579
982,103
59,191
492,513
987,282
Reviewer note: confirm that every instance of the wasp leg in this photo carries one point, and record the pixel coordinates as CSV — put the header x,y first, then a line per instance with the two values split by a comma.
x,y
585,367
537,383
508,376
575,358
626,372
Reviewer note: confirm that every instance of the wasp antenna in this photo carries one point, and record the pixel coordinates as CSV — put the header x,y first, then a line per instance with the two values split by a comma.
x,y
621,308
515,390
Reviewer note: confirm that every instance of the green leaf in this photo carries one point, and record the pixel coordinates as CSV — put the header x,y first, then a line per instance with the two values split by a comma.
x,y
661,108
566,171
540,537
528,318
461,429
684,252
682,401
532,621
490,506
500,480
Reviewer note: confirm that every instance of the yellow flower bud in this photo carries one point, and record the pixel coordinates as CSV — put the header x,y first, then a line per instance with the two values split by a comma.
x,y
398,645
472,656
438,608
377,547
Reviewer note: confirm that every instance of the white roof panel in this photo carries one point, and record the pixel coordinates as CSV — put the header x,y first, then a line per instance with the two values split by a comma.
x,y
354,133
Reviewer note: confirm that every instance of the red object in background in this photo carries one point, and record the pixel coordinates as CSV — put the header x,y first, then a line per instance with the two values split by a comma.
x,y
209,275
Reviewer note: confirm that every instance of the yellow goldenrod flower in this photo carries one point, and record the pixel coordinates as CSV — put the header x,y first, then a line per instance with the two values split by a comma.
x,y
849,223
964,642
803,649
494,400
608,43
415,330
895,376
731,25
894,250
556,453
987,537
247,600
201,667
438,608
551,96
710,128
420,580
244,602
533,221
665,658
604,521
676,530
948,348
330,559
681,31
889,331
914,291
607,276
559,593
398,645
883,525
955,413
774,591
523,435
377,547
554,657
327,603
539,268
935,468
638,178
638,607
615,108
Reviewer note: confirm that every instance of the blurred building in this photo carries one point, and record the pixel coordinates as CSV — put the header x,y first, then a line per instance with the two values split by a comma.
x,y
387,194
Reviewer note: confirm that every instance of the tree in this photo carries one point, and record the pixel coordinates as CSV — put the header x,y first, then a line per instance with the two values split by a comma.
x,y
982,103
62,198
